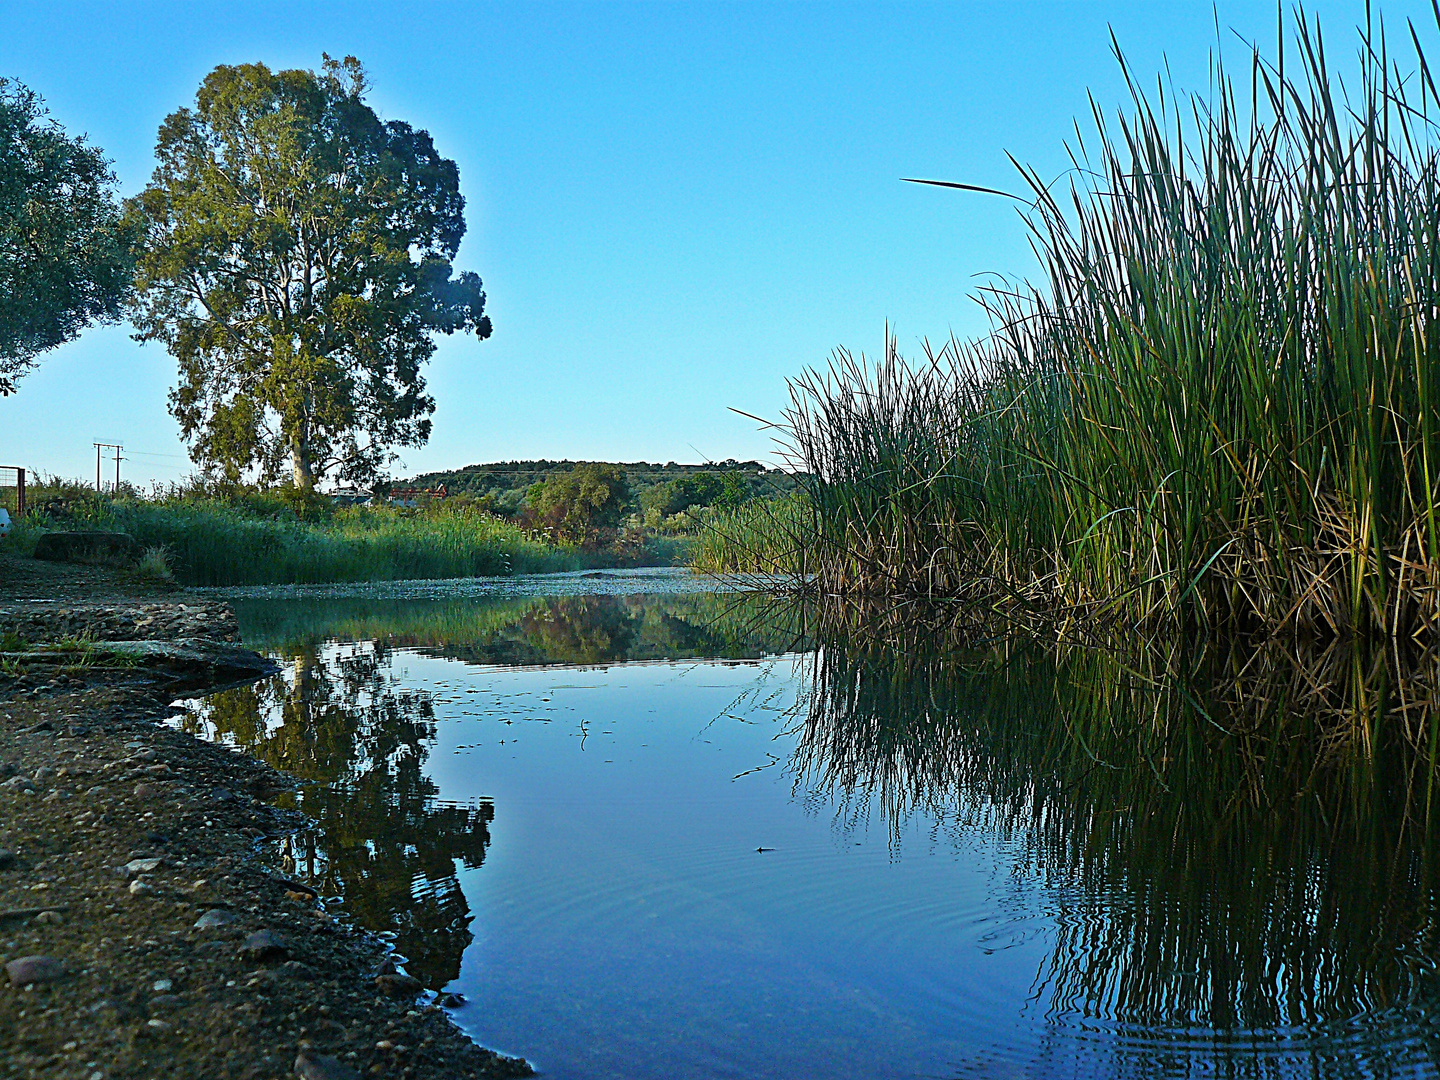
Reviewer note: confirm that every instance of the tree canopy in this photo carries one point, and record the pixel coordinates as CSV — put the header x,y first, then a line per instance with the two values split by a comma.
x,y
64,253
297,263
576,505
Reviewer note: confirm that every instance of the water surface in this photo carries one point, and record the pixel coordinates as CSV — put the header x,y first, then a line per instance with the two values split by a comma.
x,y
685,835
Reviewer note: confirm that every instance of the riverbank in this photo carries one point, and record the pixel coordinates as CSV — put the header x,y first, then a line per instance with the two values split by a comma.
x,y
261,540
144,929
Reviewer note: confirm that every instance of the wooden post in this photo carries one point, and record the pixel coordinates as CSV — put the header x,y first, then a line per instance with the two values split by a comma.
x,y
20,493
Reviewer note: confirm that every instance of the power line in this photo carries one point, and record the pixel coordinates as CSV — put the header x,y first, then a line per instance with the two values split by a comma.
x,y
117,447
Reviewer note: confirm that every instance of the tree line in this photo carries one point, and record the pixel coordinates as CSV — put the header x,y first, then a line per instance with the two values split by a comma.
x,y
292,251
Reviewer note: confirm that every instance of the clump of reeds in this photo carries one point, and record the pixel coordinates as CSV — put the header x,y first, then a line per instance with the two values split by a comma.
x,y
761,536
1220,407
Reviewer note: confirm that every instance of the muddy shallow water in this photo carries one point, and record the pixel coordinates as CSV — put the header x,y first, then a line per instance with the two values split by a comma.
x,y
679,834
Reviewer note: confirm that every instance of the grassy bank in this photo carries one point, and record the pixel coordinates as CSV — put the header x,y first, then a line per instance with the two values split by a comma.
x,y
262,541
1220,407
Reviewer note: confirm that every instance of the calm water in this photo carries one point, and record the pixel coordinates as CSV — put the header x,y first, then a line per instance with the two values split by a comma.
x,y
678,836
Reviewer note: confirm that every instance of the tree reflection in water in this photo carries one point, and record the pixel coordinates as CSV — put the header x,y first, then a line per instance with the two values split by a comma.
x,y
1234,843
359,740
380,837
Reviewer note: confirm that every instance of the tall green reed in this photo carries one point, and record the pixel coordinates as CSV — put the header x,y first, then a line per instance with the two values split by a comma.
x,y
1219,405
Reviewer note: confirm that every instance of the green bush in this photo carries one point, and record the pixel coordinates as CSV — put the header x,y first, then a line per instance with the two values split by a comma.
x,y
580,505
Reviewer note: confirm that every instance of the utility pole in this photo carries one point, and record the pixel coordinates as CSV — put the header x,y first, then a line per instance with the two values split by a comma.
x,y
117,447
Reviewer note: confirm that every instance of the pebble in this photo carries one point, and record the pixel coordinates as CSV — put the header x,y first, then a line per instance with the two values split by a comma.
x,y
312,1066
264,945
144,791
214,919
34,969
296,970
162,986
49,918
396,985
139,887
142,866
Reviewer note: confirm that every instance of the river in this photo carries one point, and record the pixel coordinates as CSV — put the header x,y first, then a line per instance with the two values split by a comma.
x,y
645,830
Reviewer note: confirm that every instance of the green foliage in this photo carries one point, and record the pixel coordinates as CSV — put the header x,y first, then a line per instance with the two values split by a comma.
x,y
507,482
260,540
297,263
762,536
723,489
154,565
64,254
1222,407
577,506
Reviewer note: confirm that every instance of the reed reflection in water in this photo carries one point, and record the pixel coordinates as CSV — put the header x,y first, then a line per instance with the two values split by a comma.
x,y
1236,846
1228,855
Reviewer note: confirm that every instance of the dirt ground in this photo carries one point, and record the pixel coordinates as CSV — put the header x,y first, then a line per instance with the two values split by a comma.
x,y
144,929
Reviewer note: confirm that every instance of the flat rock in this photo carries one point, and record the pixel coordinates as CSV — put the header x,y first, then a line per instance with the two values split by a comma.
x,y
397,985
264,945
312,1066
214,919
91,547
34,969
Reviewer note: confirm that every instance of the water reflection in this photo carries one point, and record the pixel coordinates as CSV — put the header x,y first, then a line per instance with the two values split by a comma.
x,y
359,737
566,630
1235,844
380,838
1235,848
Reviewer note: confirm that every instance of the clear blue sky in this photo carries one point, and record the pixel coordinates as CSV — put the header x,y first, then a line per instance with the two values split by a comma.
x,y
673,206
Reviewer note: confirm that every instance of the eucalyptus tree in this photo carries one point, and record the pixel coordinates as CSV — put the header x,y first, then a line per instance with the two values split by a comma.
x,y
297,262
64,251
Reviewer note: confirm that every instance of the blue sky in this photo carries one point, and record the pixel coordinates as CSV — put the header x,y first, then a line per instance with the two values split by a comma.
x,y
673,206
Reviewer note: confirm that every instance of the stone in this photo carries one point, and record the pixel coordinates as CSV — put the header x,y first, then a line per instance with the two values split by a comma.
x,y
142,866
264,945
312,1066
139,887
49,918
397,985
296,970
450,1001
89,547
34,969
162,986
7,859
144,791
214,919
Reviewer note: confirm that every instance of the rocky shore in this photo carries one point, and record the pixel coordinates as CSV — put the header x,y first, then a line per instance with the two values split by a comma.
x,y
144,929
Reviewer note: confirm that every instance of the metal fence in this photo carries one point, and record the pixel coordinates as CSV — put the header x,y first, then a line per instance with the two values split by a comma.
x,y
12,490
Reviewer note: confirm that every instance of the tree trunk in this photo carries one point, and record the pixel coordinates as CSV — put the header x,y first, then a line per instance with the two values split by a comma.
x,y
302,471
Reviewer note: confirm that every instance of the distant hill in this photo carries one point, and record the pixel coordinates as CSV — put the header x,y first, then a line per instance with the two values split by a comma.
x,y
507,481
